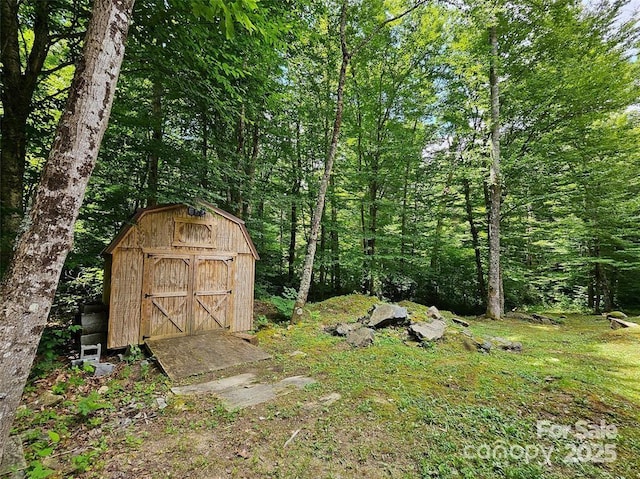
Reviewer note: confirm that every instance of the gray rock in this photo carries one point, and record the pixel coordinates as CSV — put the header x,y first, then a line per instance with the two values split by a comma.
x,y
343,329
298,354
434,313
461,322
329,399
103,369
541,319
428,331
361,338
517,315
530,318
472,343
506,345
384,315
48,399
619,323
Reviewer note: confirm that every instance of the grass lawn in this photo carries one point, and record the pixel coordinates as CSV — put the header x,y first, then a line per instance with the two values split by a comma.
x,y
404,411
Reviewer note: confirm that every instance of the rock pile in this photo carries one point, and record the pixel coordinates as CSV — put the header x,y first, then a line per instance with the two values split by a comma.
x,y
362,333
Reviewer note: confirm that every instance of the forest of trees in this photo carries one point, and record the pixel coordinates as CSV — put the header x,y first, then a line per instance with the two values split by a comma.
x,y
242,112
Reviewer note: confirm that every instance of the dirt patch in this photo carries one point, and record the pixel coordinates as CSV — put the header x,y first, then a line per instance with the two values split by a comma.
x,y
266,309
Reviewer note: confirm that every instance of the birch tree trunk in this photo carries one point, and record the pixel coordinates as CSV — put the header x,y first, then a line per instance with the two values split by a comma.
x,y
27,290
312,244
494,296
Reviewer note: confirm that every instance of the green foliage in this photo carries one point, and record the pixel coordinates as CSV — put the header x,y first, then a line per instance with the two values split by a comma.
x,y
51,346
91,403
285,303
133,354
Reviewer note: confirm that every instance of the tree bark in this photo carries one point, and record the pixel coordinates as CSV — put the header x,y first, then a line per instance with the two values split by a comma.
x,y
475,241
250,172
494,290
305,281
335,243
17,92
27,290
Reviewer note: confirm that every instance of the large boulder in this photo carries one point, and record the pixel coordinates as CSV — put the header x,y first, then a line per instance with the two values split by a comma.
x,y
361,337
385,315
428,331
616,315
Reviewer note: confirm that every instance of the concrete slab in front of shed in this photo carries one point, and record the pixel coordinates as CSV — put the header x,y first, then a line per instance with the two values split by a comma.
x,y
185,356
242,391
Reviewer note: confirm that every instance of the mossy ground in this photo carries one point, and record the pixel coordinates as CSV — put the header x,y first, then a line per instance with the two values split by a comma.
x,y
405,411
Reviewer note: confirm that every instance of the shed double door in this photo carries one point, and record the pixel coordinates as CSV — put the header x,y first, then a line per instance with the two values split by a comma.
x,y
184,294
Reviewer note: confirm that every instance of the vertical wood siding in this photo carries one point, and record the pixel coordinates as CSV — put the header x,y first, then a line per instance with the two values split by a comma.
x,y
124,305
175,274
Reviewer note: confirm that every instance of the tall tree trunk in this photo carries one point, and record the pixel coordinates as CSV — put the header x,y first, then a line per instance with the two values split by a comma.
x,y
204,175
335,243
250,172
295,196
323,254
236,184
475,241
18,88
370,239
305,281
494,296
156,144
28,288
437,242
291,260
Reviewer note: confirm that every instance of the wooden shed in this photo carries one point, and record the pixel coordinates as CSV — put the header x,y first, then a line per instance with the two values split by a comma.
x,y
176,270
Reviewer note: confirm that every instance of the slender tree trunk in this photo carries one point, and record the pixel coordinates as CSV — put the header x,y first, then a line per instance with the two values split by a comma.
x,y
494,296
292,241
27,290
295,196
335,243
591,301
598,288
405,203
323,254
156,144
437,243
305,281
370,241
18,87
250,171
204,181
475,240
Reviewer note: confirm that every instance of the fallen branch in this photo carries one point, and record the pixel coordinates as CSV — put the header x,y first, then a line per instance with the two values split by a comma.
x,y
291,438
